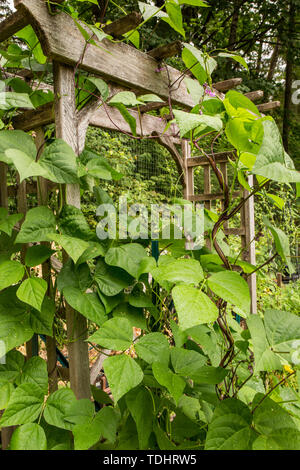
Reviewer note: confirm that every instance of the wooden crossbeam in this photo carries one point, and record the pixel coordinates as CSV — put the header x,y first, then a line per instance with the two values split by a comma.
x,y
221,157
268,106
123,25
116,62
165,51
254,95
227,84
12,24
211,197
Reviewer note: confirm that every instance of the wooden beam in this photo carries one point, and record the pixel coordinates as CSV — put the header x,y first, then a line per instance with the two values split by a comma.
x,y
220,157
66,129
13,23
34,118
123,25
268,106
117,62
227,84
211,197
165,51
254,95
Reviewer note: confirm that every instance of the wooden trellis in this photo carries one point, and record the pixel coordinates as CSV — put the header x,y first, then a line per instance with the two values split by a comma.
x,y
124,68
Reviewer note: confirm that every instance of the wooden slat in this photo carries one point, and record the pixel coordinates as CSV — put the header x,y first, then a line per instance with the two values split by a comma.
x,y
123,25
117,62
220,157
254,95
12,24
234,231
209,196
165,51
226,85
268,106
66,128
34,118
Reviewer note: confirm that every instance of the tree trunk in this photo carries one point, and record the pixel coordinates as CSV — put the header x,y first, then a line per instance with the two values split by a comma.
x,y
234,24
273,62
259,57
289,76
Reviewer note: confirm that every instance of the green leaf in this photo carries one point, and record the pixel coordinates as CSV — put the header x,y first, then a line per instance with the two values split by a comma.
x,y
24,406
59,161
123,374
35,372
25,164
80,412
278,429
265,359
238,100
111,280
104,425
57,407
193,307
174,18
74,276
37,254
32,291
75,247
6,390
31,38
150,98
186,362
10,99
270,161
281,243
42,321
11,272
235,57
230,427
101,86
115,334
30,436
140,405
38,224
173,383
18,140
189,121
134,315
230,286
282,329
100,396
11,370
152,346
127,98
195,89
188,271
127,116
127,257
196,3
15,328
88,304
7,222
200,65
246,136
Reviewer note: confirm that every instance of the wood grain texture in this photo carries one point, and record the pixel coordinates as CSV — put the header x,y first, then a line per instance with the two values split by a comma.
x,y
63,42
66,128
165,51
268,106
255,95
123,25
220,157
226,85
13,23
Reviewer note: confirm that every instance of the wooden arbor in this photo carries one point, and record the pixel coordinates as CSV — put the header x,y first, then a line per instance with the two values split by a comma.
x,y
65,46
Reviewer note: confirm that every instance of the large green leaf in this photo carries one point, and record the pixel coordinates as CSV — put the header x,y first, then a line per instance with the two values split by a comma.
x,y
59,161
11,370
265,359
32,291
73,223
189,121
7,222
186,362
42,321
29,436
188,271
24,406
78,277
270,161
75,247
278,429
11,272
37,254
31,38
200,65
230,286
115,333
193,307
140,405
111,280
88,304
230,427
281,243
127,257
57,407
15,327
25,164
38,224
174,18
282,329
152,346
35,372
18,140
173,383
238,100
123,374
103,425
10,99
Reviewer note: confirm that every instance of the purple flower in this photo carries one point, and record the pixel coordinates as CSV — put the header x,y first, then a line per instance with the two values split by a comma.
x,y
208,90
